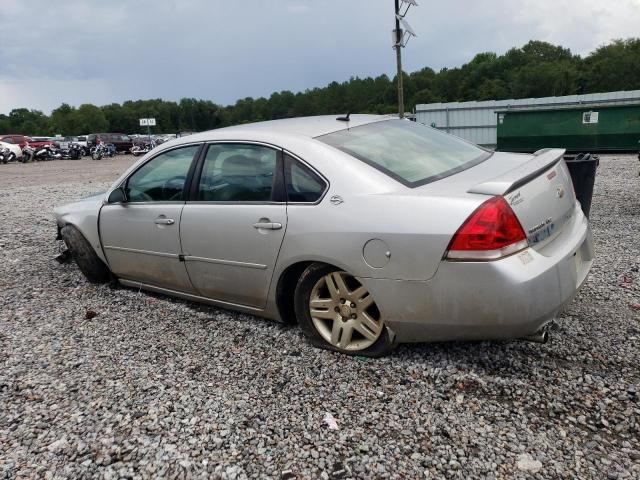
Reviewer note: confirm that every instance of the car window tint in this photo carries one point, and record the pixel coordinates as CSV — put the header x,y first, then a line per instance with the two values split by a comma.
x,y
407,151
302,184
237,173
162,179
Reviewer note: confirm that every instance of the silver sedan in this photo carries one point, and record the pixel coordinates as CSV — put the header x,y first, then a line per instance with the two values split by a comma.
x,y
366,230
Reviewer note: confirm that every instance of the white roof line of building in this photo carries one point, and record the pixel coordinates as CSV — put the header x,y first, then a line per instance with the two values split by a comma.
x,y
614,97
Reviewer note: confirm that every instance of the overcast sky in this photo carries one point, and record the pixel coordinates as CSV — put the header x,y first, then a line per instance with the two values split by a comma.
x,y
103,51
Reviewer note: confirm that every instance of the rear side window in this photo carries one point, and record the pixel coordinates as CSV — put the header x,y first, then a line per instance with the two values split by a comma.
x,y
238,173
303,185
409,152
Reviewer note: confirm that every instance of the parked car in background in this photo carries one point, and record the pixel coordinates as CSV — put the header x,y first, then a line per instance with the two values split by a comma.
x,y
9,152
122,142
15,139
41,140
61,142
366,230
82,141
21,140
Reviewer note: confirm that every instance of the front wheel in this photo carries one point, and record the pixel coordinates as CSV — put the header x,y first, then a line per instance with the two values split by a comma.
x,y
84,255
338,313
96,155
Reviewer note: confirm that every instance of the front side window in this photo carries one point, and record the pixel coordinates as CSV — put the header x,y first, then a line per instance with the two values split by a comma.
x,y
302,184
162,179
409,152
238,173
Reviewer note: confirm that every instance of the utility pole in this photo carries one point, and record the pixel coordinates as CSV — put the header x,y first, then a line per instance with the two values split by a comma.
x,y
398,48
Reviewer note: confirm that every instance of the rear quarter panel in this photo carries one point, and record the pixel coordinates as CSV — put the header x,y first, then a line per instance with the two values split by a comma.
x,y
415,230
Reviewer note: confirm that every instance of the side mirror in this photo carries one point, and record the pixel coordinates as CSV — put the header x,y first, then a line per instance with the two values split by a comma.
x,y
117,196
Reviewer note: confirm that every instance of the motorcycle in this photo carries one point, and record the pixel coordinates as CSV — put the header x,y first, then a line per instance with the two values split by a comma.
x,y
47,152
143,148
28,154
41,154
6,155
73,152
103,150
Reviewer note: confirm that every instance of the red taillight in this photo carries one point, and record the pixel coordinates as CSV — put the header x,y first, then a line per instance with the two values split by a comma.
x,y
491,232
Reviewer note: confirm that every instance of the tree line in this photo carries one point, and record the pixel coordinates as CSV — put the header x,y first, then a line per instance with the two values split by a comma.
x,y
537,69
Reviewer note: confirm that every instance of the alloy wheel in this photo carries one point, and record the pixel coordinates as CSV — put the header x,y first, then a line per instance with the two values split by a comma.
x,y
344,312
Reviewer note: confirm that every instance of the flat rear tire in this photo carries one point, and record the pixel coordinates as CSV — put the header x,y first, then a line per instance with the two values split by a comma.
x,y
336,312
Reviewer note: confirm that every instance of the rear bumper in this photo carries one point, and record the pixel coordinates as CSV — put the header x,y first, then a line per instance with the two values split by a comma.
x,y
509,298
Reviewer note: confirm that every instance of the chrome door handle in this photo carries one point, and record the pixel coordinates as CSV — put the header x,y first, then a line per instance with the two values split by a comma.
x,y
267,225
164,221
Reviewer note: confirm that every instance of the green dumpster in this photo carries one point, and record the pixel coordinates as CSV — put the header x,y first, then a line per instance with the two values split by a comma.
x,y
576,128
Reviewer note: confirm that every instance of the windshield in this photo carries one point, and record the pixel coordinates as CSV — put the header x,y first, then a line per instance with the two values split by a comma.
x,y
409,152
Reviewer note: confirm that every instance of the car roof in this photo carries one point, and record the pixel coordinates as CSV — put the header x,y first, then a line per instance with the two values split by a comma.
x,y
304,126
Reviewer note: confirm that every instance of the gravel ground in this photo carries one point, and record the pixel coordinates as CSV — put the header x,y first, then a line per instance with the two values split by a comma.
x,y
154,387
82,172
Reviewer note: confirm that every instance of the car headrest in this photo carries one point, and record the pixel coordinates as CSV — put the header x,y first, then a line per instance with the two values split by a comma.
x,y
240,165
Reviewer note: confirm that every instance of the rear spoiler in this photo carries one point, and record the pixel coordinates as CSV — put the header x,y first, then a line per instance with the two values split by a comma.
x,y
513,179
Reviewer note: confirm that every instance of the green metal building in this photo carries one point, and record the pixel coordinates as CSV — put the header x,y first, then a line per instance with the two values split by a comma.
x,y
578,128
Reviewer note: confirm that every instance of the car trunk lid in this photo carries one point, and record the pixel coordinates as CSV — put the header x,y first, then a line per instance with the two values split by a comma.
x,y
540,192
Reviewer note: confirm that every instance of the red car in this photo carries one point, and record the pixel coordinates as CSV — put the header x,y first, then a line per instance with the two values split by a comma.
x,y
21,140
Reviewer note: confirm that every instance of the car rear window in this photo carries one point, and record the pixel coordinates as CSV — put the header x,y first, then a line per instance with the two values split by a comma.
x,y
409,152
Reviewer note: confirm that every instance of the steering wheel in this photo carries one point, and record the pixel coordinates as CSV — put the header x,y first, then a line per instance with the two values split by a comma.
x,y
140,196
172,184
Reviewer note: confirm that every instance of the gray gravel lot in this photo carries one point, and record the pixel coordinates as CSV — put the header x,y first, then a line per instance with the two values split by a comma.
x,y
154,387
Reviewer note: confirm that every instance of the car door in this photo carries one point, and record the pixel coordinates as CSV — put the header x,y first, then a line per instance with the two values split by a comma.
x,y
233,225
141,236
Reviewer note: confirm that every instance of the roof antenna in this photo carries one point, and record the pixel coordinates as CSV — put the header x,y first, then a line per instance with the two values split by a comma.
x,y
344,119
